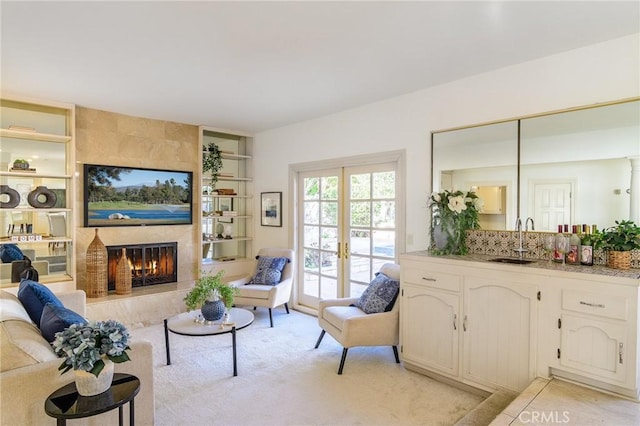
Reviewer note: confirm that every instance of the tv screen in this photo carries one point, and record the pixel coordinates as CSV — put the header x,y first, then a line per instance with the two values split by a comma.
x,y
127,196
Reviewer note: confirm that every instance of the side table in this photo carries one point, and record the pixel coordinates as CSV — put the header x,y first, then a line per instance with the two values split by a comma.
x,y
66,403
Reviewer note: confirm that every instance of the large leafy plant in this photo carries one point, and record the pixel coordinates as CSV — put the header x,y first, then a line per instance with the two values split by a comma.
x,y
210,287
453,213
623,236
84,345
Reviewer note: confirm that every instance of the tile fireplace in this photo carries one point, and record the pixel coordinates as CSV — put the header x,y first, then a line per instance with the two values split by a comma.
x,y
151,264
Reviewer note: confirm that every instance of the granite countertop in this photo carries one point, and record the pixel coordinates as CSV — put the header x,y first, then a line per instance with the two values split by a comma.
x,y
539,264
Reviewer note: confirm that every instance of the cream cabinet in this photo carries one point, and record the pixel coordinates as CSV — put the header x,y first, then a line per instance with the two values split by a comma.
x,y
226,218
490,321
37,174
598,329
495,326
499,326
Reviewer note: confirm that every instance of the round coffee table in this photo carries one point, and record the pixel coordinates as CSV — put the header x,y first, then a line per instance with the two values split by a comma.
x,y
186,324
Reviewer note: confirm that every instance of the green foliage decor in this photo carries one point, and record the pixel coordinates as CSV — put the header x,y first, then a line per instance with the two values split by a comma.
x,y
83,346
212,162
453,213
207,287
623,236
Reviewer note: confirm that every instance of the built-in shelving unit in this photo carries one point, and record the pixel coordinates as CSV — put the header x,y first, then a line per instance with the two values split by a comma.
x,y
43,134
226,219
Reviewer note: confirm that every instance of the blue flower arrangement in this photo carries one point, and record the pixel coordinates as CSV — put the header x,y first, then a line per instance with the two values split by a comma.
x,y
84,345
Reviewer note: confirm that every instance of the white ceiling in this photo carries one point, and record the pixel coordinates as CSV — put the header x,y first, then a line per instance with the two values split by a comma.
x,y
258,65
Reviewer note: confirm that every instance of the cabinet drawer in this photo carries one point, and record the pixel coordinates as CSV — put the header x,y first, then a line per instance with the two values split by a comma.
x,y
604,305
432,279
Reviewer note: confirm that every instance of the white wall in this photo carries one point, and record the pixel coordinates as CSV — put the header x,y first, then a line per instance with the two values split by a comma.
x,y
598,73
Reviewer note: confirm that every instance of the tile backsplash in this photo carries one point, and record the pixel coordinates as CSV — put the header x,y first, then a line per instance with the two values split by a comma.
x,y
504,243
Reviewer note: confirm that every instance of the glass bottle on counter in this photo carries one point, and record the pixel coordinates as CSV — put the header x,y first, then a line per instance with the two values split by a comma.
x,y
558,255
586,247
573,255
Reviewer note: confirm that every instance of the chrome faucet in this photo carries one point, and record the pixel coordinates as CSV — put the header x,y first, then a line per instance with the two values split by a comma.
x,y
521,250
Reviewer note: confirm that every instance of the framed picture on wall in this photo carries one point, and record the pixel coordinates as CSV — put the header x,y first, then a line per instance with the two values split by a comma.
x,y
271,209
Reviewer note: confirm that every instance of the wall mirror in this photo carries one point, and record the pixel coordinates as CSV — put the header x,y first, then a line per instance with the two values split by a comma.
x,y
575,166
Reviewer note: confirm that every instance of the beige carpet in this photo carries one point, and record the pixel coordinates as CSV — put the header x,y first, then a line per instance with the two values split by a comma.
x,y
283,380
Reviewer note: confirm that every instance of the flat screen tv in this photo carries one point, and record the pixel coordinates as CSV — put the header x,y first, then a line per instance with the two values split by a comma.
x,y
127,196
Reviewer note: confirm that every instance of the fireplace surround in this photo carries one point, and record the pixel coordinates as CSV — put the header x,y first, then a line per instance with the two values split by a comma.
x,y
151,264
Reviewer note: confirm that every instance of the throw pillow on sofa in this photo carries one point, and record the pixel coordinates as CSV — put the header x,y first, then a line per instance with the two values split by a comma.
x,y
269,270
34,296
57,318
380,295
10,252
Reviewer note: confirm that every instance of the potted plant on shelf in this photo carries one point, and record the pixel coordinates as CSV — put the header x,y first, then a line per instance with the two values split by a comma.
x,y
90,349
20,164
212,162
211,295
618,241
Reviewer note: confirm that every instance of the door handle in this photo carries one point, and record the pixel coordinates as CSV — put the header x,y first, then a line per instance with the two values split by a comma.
x,y
455,320
339,250
346,250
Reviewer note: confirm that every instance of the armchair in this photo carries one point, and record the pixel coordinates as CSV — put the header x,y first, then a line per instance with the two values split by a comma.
x,y
268,296
351,326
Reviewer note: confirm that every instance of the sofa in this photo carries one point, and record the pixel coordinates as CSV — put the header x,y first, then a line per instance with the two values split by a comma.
x,y
29,368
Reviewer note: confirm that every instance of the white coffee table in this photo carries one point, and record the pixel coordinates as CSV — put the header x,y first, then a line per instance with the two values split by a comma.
x,y
186,325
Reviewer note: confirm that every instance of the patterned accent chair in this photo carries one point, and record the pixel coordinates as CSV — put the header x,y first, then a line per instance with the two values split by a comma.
x,y
267,295
351,326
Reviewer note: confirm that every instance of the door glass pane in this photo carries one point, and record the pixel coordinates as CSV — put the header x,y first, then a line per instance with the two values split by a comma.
x,y
311,284
311,212
330,213
360,213
329,239
311,236
384,214
311,188
329,188
357,289
384,185
360,241
329,265
384,243
329,288
360,269
311,260
360,187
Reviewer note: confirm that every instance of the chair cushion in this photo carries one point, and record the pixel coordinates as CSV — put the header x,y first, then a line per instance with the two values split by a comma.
x,y
269,270
22,345
10,252
337,315
380,295
254,291
56,318
34,296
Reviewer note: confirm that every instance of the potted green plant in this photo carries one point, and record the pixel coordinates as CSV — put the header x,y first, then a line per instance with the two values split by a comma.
x,y
20,164
211,295
618,241
212,162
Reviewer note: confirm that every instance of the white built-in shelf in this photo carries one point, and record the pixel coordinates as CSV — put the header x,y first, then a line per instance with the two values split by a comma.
x,y
35,175
224,240
34,136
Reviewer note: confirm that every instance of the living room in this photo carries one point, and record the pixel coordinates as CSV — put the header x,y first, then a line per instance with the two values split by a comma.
x,y
138,134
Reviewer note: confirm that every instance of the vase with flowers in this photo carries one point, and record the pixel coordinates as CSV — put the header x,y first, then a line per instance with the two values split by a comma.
x,y
90,350
453,213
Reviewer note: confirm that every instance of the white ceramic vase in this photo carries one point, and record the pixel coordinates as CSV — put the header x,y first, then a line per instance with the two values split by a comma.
x,y
88,384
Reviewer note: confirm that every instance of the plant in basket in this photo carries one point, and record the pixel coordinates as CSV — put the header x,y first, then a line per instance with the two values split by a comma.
x,y
618,241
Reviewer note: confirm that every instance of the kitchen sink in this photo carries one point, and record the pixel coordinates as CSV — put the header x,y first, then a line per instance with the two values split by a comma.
x,y
512,260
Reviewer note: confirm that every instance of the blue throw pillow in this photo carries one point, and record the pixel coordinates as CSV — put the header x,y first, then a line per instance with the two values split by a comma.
x,y
269,270
380,295
34,296
10,252
57,318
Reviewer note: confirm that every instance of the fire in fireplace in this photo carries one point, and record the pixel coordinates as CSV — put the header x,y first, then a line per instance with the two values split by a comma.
x,y
150,263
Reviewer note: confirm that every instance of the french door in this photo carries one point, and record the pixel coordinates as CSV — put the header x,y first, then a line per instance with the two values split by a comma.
x,y
346,229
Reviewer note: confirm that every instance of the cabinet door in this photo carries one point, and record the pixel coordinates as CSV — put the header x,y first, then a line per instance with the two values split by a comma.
x,y
595,347
430,328
499,333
